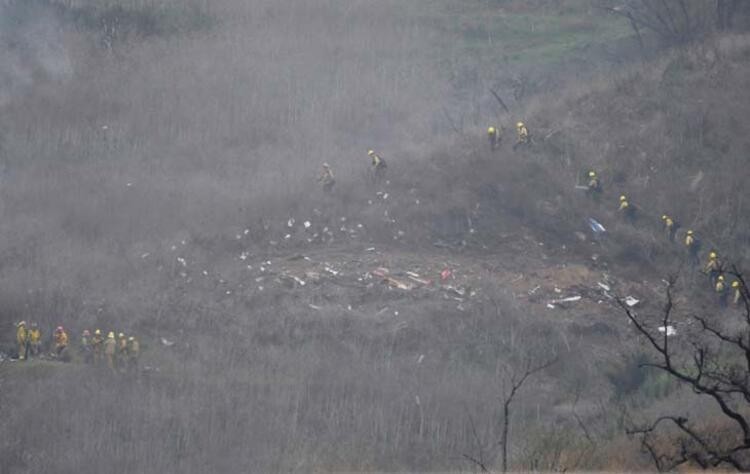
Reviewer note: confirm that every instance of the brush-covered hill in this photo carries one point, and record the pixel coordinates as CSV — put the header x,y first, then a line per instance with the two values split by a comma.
x,y
171,194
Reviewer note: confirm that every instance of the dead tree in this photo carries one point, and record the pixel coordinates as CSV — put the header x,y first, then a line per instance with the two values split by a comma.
x,y
715,364
512,384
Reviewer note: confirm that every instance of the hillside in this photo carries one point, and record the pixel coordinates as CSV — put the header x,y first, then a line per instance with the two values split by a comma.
x,y
163,184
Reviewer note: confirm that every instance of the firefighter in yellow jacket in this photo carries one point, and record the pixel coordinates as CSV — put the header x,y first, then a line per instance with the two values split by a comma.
x,y
35,339
97,346
326,178
669,227
134,352
713,267
110,349
523,135
721,290
22,339
693,246
61,342
493,135
378,167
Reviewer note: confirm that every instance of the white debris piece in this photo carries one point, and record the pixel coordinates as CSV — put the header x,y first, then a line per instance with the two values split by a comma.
x,y
167,343
182,261
385,196
569,299
307,224
550,306
331,271
287,236
290,222
314,307
630,301
247,231
669,329
603,286
145,255
421,358
205,273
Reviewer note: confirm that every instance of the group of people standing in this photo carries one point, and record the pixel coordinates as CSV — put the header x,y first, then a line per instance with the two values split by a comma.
x,y
121,353
29,340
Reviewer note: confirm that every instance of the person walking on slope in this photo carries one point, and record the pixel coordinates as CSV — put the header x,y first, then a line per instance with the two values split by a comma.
x,y
493,134
97,346
378,167
326,178
61,343
22,339
721,290
669,227
692,245
713,267
134,352
523,135
35,339
594,186
110,348
626,209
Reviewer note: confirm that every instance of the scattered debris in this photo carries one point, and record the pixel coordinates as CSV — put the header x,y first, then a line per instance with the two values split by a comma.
x,y
398,284
568,299
630,301
595,226
670,330
167,343
603,286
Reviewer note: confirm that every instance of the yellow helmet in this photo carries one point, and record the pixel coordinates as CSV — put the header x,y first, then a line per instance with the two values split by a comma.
x,y
592,174
735,284
519,125
664,217
21,323
98,332
326,165
721,277
690,232
712,255
111,335
370,152
623,198
491,130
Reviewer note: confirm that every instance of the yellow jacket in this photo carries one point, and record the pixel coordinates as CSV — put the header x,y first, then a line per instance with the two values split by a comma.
x,y
35,335
109,346
22,335
61,339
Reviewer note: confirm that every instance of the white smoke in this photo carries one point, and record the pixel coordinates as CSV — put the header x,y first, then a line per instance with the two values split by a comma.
x,y
32,48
